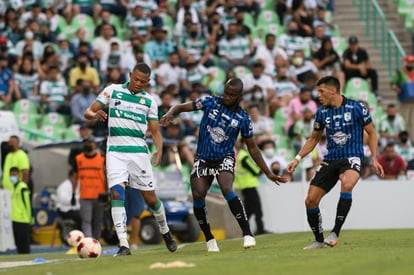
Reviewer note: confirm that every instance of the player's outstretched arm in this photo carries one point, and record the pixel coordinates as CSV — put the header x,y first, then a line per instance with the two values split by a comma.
x,y
175,110
254,151
373,146
306,149
154,128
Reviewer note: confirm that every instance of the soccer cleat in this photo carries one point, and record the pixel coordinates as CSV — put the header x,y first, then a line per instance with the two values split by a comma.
x,y
123,251
212,246
315,245
133,246
332,239
249,241
169,241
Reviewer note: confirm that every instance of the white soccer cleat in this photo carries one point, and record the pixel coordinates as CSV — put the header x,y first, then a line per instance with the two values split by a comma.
x,y
212,246
332,239
315,245
249,241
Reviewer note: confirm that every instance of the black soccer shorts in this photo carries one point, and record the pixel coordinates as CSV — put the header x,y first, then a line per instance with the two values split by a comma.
x,y
327,174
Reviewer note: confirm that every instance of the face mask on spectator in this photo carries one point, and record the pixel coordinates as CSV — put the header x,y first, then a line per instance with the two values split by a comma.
x,y
87,148
391,117
193,34
14,179
258,95
83,65
269,152
297,61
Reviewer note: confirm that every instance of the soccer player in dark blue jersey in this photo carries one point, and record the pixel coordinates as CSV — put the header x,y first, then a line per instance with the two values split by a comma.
x,y
344,121
222,121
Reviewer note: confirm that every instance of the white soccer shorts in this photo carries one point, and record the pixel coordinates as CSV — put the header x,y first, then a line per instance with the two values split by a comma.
x,y
134,168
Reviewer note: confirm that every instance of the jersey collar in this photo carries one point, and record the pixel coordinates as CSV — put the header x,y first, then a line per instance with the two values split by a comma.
x,y
125,86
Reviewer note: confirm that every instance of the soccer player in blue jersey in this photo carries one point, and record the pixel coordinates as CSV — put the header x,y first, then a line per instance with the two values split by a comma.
x,y
344,121
222,121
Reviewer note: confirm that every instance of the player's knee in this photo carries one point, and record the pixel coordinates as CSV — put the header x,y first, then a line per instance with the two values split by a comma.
x,y
311,203
117,193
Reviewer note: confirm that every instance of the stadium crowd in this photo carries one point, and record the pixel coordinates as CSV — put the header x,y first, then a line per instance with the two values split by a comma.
x,y
59,55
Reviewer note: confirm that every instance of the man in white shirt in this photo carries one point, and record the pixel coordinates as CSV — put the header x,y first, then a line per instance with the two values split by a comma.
x,y
68,205
170,73
103,43
266,54
258,78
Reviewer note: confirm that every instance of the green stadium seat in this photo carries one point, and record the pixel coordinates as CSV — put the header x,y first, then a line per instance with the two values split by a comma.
x,y
408,22
267,17
339,43
72,132
248,19
358,89
24,106
54,119
169,23
280,118
218,73
241,71
49,133
85,21
405,7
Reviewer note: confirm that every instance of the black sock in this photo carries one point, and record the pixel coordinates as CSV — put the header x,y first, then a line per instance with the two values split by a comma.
x,y
237,208
315,223
344,205
200,212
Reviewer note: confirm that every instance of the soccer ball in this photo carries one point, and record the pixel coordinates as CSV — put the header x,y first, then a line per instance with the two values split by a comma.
x,y
74,237
89,248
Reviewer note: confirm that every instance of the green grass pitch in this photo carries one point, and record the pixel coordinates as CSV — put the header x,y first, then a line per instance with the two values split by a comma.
x,y
358,252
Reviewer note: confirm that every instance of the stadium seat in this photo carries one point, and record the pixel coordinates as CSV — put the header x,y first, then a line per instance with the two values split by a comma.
x,y
267,17
408,22
248,19
339,44
358,89
241,71
280,119
72,132
405,7
24,106
169,24
49,133
54,119
85,21
218,73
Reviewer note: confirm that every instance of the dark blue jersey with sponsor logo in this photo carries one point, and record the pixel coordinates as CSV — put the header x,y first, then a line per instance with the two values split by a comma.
x,y
344,128
219,128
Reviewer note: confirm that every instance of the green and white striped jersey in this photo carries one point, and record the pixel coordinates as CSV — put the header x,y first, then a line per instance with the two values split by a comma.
x,y
128,114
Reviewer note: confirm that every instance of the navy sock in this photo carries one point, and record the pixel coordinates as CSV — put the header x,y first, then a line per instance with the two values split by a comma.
x,y
200,212
315,223
344,205
237,208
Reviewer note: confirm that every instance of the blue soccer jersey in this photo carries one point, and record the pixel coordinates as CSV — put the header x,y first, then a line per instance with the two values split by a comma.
x,y
344,128
219,128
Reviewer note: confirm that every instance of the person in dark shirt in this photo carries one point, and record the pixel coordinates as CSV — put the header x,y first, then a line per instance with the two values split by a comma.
x,y
357,64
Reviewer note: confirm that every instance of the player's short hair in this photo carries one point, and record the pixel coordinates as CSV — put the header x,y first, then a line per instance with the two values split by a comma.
x,y
143,68
235,83
14,169
329,81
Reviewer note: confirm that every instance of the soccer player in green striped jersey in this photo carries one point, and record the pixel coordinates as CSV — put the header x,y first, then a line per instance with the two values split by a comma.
x,y
131,111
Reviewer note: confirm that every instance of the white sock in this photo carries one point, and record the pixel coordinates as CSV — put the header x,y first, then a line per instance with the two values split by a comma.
x,y
119,217
161,219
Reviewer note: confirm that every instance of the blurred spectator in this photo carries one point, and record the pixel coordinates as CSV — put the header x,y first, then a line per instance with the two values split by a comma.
x,y
172,74
192,119
80,44
140,25
270,156
250,6
36,46
261,125
159,47
265,54
244,30
115,76
317,38
185,8
402,83
105,17
167,101
117,7
150,8
6,81
291,41
15,158
321,20
49,58
303,128
214,31
257,78
66,210
303,17
257,98
195,74
404,147
84,132
114,59
285,90
102,43
86,7
54,93
34,14
80,102
300,68
296,106
195,45
27,81
234,50
393,164
227,11
390,126
65,56
326,59
83,71
357,64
